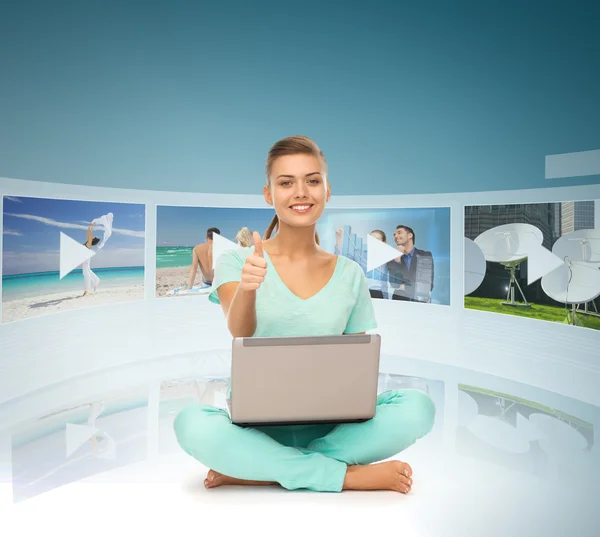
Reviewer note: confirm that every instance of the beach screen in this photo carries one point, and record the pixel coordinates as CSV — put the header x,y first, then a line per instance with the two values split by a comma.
x,y
61,255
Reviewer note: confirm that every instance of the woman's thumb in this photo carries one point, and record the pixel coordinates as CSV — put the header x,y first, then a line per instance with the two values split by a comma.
x,y
257,244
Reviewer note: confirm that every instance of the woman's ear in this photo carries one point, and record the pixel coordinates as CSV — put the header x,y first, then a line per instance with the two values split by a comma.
x,y
267,195
328,191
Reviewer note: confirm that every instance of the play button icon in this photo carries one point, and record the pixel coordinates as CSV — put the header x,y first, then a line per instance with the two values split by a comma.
x,y
540,262
72,254
220,246
379,253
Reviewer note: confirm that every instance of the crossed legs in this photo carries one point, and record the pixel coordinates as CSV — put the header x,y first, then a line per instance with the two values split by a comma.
x,y
336,458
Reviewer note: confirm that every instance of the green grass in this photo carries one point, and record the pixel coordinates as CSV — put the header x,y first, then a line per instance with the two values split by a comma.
x,y
536,311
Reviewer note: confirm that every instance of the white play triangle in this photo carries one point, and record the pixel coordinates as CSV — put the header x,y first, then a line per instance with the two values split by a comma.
x,y
72,254
379,253
77,435
220,246
540,262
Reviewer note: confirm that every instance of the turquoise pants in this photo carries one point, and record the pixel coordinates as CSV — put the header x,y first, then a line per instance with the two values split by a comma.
x,y
313,457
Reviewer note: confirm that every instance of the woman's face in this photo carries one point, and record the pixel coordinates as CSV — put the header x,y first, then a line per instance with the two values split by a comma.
x,y
298,190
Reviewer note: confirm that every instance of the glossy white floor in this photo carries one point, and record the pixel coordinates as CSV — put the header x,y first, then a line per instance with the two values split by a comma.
x,y
503,459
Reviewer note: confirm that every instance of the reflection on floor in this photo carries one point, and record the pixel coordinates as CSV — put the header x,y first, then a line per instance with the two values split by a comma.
x,y
521,434
175,395
79,442
512,451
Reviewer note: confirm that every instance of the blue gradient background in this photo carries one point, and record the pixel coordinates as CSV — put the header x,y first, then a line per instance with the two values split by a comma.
x,y
403,97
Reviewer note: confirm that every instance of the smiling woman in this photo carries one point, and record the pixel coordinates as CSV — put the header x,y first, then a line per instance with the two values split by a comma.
x,y
312,172
289,286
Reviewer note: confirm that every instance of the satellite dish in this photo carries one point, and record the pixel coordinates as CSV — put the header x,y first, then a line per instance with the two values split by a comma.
x,y
577,281
573,283
582,245
509,243
474,266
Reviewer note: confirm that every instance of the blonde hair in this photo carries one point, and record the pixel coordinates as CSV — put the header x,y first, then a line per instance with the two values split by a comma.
x,y
292,145
244,237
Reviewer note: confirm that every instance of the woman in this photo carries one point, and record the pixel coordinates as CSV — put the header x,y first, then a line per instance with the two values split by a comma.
x,y
289,286
244,237
90,280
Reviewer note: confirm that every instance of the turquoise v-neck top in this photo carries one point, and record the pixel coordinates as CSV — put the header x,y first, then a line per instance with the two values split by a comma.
x,y
342,306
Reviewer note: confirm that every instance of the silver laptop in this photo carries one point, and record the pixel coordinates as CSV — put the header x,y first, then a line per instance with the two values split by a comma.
x,y
304,380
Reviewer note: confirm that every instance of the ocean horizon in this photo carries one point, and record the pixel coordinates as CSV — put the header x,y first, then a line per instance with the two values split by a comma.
x,y
21,286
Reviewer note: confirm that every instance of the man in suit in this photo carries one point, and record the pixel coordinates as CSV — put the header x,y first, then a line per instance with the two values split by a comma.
x,y
410,275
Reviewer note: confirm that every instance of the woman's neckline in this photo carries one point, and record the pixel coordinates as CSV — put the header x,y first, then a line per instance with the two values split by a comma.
x,y
294,295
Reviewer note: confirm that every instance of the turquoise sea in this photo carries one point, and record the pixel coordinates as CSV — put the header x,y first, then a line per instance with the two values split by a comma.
x,y
173,256
19,286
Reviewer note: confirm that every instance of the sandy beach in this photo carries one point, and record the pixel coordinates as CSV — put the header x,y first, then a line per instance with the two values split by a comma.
x,y
16,310
172,277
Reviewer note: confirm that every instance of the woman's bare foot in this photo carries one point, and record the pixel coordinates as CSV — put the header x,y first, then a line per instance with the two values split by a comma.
x,y
215,479
390,475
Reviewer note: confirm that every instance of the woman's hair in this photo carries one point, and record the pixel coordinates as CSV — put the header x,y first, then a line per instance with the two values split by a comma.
x,y
292,145
244,237
380,233
95,240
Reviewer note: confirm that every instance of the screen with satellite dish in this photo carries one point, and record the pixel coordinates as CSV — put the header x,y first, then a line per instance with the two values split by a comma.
x,y
61,254
404,253
536,260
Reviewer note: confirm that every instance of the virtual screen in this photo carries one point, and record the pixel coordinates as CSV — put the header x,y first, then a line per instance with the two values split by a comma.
x,y
48,265
368,237
538,260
